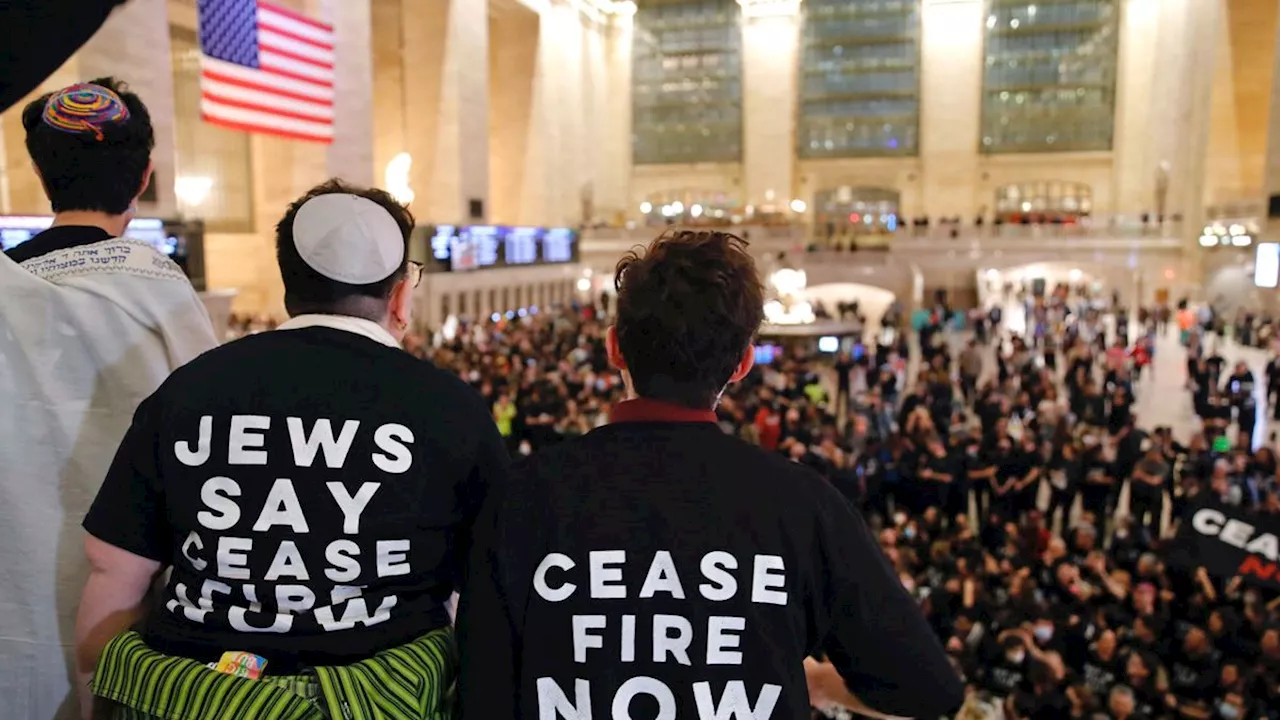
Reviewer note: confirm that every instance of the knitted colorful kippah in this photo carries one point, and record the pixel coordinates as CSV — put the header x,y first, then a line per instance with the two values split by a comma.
x,y
84,108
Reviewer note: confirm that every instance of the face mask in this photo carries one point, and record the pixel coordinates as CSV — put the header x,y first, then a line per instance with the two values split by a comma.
x,y
1043,633
909,533
1228,712
1017,657
525,449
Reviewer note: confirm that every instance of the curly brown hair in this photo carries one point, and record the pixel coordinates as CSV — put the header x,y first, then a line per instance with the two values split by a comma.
x,y
688,308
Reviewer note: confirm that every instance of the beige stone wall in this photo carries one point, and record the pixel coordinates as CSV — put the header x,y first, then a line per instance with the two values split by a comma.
x,y
770,67
613,157
651,180
951,52
1241,108
513,55
389,73
446,61
1135,162
351,156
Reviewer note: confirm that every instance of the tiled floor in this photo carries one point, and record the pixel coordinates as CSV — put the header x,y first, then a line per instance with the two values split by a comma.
x,y
1163,398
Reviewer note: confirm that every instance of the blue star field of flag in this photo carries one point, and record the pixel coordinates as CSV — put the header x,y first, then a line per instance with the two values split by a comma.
x,y
229,30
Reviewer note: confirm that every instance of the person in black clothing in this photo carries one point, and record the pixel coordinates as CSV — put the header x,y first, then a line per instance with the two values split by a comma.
x,y
1146,488
1240,391
1065,473
311,488
1273,386
657,562
1102,666
1193,673
935,475
1096,490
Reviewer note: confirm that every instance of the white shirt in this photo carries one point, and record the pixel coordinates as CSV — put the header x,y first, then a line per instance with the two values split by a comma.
x,y
358,326
86,333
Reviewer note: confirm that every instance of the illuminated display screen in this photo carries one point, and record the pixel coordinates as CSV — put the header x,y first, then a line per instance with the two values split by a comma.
x,y
521,245
457,248
557,245
17,229
441,242
1266,266
485,240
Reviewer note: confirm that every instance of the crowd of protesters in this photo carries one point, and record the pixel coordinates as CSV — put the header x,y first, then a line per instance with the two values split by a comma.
x,y
994,476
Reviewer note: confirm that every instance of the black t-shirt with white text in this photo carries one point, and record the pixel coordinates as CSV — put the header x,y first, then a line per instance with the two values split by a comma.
x,y
312,489
667,569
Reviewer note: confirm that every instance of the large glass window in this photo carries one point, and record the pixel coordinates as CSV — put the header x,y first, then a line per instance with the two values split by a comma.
x,y
859,79
1050,77
215,180
687,82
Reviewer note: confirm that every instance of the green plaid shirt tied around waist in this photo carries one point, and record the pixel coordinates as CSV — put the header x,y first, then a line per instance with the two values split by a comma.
x,y
410,682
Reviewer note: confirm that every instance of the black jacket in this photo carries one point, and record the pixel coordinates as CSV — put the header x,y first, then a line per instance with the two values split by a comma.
x,y
39,36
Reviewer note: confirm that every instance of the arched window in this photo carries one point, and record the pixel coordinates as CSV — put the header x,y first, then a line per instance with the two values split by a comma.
x,y
1043,200
686,77
690,206
859,79
856,214
1049,79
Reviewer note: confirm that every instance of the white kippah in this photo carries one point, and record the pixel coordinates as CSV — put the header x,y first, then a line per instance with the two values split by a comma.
x,y
348,238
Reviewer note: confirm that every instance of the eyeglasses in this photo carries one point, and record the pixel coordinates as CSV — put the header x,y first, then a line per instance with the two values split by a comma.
x,y
414,274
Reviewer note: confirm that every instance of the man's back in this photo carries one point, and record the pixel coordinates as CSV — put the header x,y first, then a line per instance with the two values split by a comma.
x,y
83,343
314,485
670,560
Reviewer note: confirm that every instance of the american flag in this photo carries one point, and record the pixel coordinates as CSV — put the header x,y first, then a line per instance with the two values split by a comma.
x,y
266,69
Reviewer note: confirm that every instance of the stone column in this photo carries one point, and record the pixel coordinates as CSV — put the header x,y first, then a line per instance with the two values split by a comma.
x,y
446,81
1271,181
614,155
555,177
1137,108
513,59
1240,109
1179,125
951,59
350,157
770,47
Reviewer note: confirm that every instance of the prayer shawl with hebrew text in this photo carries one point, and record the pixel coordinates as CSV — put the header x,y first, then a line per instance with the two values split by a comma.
x,y
86,333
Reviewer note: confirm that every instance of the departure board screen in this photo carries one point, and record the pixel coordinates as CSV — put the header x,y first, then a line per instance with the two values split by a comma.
x,y
485,239
471,247
558,245
521,245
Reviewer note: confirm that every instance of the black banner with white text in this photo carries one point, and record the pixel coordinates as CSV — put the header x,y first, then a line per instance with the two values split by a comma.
x,y
1227,541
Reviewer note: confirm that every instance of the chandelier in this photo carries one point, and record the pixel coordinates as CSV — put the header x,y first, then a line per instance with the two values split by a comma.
x,y
789,306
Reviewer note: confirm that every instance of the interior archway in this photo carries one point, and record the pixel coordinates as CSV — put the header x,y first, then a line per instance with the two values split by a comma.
x,y
846,215
1053,201
690,206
